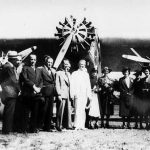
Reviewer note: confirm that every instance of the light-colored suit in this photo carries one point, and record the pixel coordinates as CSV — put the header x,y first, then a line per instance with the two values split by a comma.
x,y
63,90
81,94
63,84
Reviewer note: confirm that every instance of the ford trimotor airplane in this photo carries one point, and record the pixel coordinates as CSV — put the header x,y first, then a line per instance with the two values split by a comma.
x,y
136,58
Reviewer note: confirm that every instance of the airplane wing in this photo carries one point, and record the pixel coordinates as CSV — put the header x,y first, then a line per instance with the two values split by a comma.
x,y
136,58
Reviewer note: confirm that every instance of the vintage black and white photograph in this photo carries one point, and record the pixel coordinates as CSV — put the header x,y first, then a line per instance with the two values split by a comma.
x,y
74,74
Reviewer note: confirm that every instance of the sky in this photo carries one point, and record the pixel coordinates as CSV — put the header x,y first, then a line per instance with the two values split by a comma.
x,y
39,18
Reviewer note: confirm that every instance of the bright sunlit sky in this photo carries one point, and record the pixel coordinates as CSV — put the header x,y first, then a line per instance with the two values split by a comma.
x,y
39,18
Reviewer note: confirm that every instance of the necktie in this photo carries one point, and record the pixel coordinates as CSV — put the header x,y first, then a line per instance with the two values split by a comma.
x,y
16,73
49,71
66,73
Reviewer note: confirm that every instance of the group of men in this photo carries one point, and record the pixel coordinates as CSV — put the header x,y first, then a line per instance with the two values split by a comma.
x,y
29,92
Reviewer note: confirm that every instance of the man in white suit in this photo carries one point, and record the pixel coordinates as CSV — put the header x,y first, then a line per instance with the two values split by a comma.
x,y
80,93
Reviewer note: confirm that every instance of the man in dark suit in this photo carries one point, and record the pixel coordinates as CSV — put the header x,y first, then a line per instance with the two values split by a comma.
x,y
32,83
10,90
48,91
64,101
126,96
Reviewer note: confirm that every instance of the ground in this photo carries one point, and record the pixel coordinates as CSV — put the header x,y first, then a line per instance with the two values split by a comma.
x,y
98,139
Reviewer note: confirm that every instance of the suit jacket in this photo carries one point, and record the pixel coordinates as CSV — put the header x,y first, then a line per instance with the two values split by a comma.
x,y
63,84
48,81
9,81
30,77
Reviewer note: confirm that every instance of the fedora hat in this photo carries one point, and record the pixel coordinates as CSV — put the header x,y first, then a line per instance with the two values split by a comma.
x,y
106,69
138,72
126,69
12,54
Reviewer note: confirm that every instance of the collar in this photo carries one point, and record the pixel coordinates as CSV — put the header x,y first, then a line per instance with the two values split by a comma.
x,y
34,68
127,78
46,68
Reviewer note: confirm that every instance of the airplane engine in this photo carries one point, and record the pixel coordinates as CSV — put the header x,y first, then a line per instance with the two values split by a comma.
x,y
83,33
75,38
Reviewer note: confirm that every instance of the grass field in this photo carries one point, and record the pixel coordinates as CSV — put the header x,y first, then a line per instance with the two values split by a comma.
x,y
97,139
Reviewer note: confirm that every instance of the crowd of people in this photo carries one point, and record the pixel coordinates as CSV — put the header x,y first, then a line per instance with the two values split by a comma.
x,y
29,93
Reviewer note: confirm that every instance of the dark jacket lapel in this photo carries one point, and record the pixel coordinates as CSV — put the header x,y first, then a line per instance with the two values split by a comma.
x,y
50,76
130,83
124,83
36,74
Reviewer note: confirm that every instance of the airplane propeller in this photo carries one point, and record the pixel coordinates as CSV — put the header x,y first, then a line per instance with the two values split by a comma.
x,y
74,35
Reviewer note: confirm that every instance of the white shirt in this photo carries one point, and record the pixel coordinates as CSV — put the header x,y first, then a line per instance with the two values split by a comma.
x,y
127,80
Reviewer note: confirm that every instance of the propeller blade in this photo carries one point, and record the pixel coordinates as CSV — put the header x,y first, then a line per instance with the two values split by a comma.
x,y
63,51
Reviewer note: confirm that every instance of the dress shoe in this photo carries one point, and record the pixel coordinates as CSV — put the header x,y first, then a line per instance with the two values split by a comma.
x,y
34,131
102,125
128,126
123,126
141,127
59,129
135,127
147,127
107,125
48,130
6,133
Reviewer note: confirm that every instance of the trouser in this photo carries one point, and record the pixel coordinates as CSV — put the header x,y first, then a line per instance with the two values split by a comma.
x,y
8,115
64,114
18,115
31,113
46,113
126,119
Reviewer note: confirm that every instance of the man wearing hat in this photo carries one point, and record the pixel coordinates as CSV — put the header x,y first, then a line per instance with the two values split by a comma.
x,y
10,90
106,105
126,96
